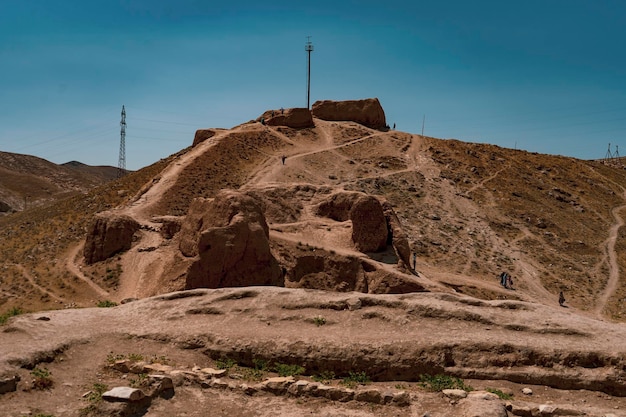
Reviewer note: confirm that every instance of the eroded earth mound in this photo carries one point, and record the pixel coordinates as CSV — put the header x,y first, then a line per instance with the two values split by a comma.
x,y
357,252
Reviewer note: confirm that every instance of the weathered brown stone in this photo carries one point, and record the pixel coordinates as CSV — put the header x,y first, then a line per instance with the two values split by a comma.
x,y
369,225
297,118
229,239
202,135
123,394
399,238
8,383
323,270
108,234
367,112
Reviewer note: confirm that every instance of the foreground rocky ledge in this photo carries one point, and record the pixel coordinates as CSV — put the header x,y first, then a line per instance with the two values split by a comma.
x,y
391,337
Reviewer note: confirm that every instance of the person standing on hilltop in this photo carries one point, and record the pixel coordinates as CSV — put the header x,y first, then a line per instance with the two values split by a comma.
x,y
561,299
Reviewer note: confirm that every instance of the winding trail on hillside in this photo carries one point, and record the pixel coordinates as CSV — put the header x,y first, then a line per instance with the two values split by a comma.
x,y
74,268
613,281
38,287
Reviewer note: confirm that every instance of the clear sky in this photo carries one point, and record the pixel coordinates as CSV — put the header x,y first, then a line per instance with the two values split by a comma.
x,y
546,76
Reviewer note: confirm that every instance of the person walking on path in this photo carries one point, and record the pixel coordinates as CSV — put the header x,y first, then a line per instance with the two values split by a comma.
x,y
414,260
504,279
561,299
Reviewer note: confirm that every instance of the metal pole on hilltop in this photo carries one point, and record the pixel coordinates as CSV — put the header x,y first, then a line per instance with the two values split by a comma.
x,y
308,47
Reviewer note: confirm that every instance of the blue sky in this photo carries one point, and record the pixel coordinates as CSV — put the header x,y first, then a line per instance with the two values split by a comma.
x,y
545,76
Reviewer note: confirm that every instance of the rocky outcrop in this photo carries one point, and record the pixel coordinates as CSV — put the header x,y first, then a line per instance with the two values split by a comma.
x,y
386,282
229,238
108,234
338,206
202,135
367,112
399,238
5,208
369,225
297,118
323,270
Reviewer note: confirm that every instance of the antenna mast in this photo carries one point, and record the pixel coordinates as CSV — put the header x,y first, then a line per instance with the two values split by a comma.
x,y
121,165
308,48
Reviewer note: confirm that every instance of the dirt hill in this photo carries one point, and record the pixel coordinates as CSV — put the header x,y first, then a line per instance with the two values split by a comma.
x,y
347,209
27,181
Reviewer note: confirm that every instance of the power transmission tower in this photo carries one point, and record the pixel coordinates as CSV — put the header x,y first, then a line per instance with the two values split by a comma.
x,y
121,165
308,48
609,155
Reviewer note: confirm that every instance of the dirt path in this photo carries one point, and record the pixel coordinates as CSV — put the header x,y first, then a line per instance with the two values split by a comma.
x,y
38,287
140,208
613,281
75,269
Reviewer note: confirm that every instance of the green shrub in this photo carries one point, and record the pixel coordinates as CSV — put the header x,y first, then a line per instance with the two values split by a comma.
x,y
500,394
356,378
324,377
139,382
15,311
94,398
112,358
283,369
226,363
106,303
42,378
319,320
440,382
260,364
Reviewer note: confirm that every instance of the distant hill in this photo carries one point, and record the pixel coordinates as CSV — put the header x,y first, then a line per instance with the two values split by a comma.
x,y
29,181
105,172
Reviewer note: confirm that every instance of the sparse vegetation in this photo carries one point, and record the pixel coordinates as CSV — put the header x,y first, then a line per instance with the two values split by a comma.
x,y
500,394
140,381
356,378
113,274
93,398
260,364
319,320
440,382
163,360
15,311
283,369
106,304
42,378
324,377
112,358
134,357
226,363
252,374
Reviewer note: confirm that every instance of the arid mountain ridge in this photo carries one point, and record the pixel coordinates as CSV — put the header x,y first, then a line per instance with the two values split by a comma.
x,y
29,181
